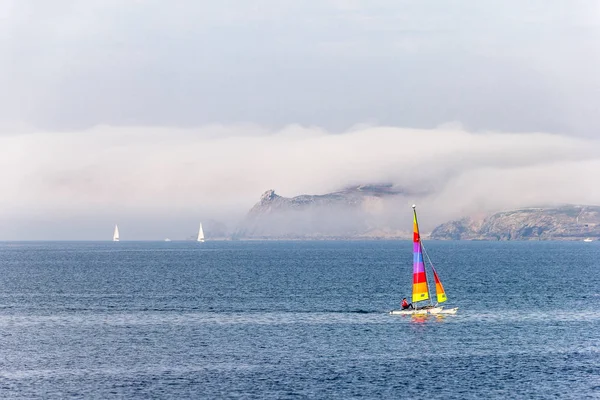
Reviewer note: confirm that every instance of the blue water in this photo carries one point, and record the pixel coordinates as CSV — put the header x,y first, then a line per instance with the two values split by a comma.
x,y
296,320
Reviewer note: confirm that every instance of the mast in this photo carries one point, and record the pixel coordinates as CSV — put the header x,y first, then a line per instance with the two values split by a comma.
x,y
420,282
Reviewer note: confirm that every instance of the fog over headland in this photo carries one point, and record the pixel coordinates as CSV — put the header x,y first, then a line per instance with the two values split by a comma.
x,y
157,115
167,179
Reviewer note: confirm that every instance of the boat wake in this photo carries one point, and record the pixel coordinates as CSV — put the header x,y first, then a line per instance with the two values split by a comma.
x,y
359,311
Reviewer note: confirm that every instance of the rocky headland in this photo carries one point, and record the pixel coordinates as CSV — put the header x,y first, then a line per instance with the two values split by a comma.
x,y
354,212
568,222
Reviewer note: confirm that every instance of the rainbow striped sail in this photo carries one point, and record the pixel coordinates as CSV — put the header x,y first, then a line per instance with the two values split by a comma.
x,y
439,289
420,288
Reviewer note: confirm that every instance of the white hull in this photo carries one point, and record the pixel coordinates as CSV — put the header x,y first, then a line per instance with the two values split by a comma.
x,y
425,311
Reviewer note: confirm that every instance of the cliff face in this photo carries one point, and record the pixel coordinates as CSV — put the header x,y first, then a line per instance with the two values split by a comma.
x,y
560,223
350,213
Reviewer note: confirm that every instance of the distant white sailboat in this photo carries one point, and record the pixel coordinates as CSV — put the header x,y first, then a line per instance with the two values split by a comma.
x,y
116,234
200,234
587,240
167,240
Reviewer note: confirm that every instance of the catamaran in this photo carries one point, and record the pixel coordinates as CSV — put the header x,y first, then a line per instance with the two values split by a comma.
x,y
116,234
420,291
200,234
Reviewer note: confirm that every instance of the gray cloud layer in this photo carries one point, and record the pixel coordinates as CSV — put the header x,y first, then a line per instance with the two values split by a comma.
x,y
503,65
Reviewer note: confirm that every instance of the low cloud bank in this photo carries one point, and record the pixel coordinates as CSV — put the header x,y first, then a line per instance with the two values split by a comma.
x,y
155,176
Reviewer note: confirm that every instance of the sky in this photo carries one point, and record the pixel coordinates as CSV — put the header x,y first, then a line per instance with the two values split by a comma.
x,y
158,114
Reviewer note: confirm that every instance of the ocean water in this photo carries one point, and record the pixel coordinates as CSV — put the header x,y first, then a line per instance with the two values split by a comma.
x,y
297,320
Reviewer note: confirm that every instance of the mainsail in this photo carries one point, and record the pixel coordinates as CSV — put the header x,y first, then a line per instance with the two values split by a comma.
x,y
200,234
420,288
116,234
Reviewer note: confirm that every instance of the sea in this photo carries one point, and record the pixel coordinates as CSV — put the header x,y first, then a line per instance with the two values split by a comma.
x,y
296,320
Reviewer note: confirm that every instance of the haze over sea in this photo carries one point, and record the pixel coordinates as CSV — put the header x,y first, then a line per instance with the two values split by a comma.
x,y
296,320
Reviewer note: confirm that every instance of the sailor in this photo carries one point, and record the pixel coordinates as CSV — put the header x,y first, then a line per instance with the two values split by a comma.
x,y
406,304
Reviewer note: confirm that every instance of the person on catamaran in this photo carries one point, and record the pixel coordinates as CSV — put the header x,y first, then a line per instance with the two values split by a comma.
x,y
406,305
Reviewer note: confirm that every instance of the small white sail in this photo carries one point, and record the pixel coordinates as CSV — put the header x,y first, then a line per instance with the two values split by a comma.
x,y
200,234
116,234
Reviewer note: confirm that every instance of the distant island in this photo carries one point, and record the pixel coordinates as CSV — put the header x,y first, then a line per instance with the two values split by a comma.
x,y
370,212
568,222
